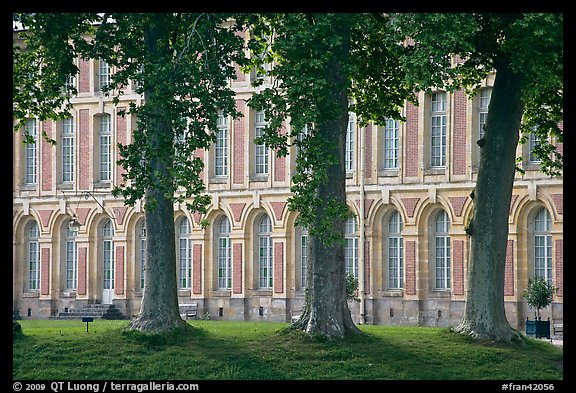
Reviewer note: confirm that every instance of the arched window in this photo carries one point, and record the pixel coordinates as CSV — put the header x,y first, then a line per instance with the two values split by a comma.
x,y
351,247
70,258
224,254
184,255
265,258
442,250
395,252
542,241
141,252
108,255
33,249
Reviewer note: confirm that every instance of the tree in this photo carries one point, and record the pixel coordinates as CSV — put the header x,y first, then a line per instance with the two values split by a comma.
x,y
181,63
323,66
539,294
526,52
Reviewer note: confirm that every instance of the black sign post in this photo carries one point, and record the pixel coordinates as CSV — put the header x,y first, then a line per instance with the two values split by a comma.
x,y
87,320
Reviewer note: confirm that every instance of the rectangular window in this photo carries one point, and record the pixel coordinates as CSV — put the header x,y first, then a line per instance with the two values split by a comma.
x,y
261,151
303,259
351,256
438,130
543,257
30,153
265,261
442,262
391,142
105,145
103,74
71,264
185,263
221,153
224,263
67,150
108,260
33,265
349,157
483,103
142,260
395,262
532,143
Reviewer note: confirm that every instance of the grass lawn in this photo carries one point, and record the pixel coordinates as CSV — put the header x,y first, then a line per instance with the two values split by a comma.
x,y
226,350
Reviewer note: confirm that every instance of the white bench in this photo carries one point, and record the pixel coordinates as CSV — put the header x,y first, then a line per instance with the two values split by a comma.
x,y
295,315
558,328
188,310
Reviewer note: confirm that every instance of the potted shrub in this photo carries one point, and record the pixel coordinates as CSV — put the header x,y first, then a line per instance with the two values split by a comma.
x,y
539,295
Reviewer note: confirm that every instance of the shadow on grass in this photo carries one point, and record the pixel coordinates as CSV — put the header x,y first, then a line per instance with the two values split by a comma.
x,y
250,351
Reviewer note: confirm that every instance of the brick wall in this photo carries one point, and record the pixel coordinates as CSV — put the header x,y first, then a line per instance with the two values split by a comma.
x,y
410,246
412,158
81,289
121,137
47,181
84,76
197,268
237,268
278,266
85,150
458,267
459,135
119,271
560,267
45,271
238,147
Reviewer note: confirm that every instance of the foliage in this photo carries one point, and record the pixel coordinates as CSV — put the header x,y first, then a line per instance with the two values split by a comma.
x,y
455,51
304,48
351,287
188,66
539,293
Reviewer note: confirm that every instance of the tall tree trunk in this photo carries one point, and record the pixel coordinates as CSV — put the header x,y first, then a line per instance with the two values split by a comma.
x,y
484,314
159,309
326,311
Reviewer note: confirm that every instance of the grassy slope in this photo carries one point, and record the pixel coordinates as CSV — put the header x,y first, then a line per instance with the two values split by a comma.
x,y
250,350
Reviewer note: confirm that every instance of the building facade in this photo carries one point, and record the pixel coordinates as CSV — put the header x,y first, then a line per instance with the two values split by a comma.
x,y
407,182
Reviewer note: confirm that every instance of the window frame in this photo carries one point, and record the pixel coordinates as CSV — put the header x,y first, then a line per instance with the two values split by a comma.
x,y
105,147
265,253
438,132
261,152
351,239
391,144
33,257
68,136
31,153
184,254
224,254
442,262
395,265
